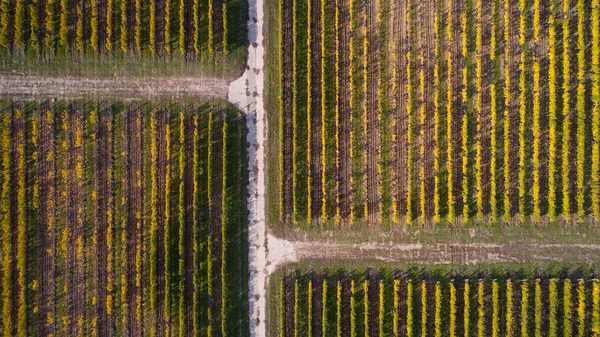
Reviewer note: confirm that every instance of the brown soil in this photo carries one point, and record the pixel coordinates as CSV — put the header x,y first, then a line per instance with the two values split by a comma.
x,y
215,214
287,113
103,188
373,145
133,129
188,235
47,187
315,167
344,170
75,218
160,161
27,86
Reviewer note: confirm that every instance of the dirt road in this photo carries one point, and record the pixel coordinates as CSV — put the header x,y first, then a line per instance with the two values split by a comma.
x,y
71,87
449,253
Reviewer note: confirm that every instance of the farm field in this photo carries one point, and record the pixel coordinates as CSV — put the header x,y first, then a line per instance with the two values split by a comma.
x,y
425,301
390,113
123,218
105,38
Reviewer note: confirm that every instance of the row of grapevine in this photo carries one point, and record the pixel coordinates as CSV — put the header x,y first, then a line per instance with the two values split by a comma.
x,y
448,307
121,27
501,151
47,252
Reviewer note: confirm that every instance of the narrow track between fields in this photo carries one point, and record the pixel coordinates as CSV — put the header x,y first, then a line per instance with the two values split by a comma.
x,y
448,253
71,87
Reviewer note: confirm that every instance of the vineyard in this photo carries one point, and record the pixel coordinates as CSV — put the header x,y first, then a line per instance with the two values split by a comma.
x,y
122,219
123,32
418,303
386,112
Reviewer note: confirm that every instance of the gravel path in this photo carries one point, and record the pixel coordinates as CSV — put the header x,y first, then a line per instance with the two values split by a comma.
x,y
264,251
449,253
152,87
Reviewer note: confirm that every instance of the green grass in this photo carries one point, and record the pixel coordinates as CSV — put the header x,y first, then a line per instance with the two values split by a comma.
x,y
229,66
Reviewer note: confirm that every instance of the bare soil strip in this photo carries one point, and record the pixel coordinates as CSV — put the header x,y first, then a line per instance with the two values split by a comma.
x,y
215,213
161,193
104,191
287,112
315,112
345,169
75,211
449,253
134,208
47,268
207,88
373,146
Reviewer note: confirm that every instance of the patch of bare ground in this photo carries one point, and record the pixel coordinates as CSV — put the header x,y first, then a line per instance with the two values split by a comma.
x,y
449,253
71,87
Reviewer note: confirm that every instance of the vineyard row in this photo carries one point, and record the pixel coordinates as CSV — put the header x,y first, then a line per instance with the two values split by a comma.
x,y
122,219
402,111
121,27
327,305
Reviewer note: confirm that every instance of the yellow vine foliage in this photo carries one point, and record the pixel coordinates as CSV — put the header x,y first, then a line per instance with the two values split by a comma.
x,y
436,110
339,310
381,307
34,24
595,70
324,308
352,310
211,34
566,108
438,309
449,112
581,113
93,25
423,308
524,308
6,229
310,308
596,307
552,111
396,317
167,26
410,113
580,308
409,310
123,25
49,31
453,309
507,101
480,309
366,307
510,329
567,308
522,109
537,213
479,111
467,308
495,308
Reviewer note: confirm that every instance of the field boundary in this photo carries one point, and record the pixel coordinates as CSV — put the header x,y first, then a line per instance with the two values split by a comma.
x,y
71,87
